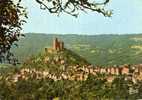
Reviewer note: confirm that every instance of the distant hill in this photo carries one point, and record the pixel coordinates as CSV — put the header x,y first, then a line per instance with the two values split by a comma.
x,y
97,49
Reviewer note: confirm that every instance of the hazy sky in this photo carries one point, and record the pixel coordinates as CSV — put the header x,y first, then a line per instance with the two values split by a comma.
x,y
127,18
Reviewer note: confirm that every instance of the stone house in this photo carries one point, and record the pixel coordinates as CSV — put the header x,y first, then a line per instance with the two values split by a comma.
x,y
125,70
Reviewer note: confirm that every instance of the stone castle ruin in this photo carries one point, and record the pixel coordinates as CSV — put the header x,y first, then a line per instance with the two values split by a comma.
x,y
56,46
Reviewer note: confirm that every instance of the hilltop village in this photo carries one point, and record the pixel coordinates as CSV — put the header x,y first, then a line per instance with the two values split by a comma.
x,y
60,74
77,72
81,73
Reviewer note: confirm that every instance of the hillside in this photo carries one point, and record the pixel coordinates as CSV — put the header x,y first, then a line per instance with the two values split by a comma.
x,y
56,59
97,49
58,73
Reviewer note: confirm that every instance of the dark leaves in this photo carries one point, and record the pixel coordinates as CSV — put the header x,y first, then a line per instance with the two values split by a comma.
x,y
11,19
72,7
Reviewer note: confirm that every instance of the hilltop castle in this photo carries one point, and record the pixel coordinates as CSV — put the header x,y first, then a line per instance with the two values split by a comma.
x,y
56,46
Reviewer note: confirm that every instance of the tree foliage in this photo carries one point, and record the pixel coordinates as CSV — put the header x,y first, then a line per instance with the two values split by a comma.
x,y
73,7
11,20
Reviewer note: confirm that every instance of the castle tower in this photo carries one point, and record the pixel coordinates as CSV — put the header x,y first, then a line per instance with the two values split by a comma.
x,y
56,46
55,43
62,45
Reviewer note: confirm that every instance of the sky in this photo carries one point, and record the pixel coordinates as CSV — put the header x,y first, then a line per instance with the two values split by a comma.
x,y
126,19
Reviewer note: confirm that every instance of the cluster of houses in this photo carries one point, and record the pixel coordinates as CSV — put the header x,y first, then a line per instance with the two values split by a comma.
x,y
119,70
80,73
28,73
133,72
